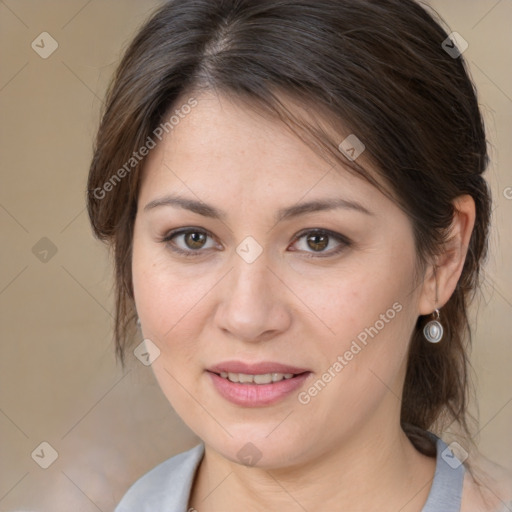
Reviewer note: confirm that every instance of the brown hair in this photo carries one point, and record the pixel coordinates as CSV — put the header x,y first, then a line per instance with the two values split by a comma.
x,y
375,67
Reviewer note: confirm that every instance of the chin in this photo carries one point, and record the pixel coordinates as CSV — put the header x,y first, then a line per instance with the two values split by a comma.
x,y
248,449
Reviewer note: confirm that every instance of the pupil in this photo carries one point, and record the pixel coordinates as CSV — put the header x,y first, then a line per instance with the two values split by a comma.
x,y
195,240
318,242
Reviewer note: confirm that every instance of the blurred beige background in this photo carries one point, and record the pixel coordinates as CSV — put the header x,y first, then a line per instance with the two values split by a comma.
x,y
59,382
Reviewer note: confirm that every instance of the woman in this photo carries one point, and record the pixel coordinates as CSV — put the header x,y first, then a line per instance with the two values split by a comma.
x,y
294,195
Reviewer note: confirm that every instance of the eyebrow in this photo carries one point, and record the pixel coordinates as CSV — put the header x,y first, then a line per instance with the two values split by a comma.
x,y
207,210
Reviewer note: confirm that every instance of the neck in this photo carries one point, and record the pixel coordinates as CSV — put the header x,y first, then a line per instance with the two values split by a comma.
x,y
367,472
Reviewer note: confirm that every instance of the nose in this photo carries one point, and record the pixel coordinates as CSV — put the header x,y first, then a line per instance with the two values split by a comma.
x,y
253,302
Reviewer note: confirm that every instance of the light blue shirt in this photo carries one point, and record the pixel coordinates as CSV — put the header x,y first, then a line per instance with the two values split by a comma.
x,y
167,487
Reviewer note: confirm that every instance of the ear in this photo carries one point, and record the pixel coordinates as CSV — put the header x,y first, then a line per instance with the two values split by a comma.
x,y
441,278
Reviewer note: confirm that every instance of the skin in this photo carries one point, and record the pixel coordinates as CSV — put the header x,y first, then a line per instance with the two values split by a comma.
x,y
345,445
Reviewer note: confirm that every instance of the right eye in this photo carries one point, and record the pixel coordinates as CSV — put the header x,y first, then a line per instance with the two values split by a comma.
x,y
187,241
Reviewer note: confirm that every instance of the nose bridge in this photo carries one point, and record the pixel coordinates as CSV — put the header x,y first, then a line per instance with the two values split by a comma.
x,y
250,281
251,272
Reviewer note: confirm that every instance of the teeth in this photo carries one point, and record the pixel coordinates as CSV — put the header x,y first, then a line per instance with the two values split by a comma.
x,y
265,378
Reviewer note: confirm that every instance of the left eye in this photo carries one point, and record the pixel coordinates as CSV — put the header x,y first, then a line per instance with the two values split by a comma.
x,y
318,240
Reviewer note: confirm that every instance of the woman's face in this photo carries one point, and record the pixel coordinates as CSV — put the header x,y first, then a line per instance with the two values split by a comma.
x,y
326,293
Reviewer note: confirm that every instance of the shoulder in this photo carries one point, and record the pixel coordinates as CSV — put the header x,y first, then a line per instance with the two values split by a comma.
x,y
165,487
487,487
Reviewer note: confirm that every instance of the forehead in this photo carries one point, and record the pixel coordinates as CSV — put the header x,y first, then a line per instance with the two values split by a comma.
x,y
223,147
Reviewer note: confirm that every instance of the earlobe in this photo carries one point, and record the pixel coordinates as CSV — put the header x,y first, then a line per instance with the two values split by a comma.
x,y
441,278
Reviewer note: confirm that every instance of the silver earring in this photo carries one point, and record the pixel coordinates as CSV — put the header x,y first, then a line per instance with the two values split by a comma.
x,y
433,331
138,322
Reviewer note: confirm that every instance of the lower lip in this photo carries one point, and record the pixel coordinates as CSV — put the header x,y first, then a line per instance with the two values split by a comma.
x,y
257,395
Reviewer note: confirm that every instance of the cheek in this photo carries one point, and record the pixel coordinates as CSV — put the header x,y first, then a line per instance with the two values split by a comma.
x,y
345,303
157,295
367,316
168,298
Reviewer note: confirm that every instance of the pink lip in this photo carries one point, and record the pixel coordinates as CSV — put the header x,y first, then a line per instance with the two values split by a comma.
x,y
255,369
256,395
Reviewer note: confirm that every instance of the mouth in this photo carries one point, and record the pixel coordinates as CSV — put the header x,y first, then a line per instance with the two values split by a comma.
x,y
256,385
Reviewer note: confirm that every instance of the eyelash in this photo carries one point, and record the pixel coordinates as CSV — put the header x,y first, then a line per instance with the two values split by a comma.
x,y
344,241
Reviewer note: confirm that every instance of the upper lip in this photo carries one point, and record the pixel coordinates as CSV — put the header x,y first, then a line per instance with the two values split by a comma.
x,y
255,368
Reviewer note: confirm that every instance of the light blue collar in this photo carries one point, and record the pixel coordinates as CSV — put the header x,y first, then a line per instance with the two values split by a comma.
x,y
167,487
446,491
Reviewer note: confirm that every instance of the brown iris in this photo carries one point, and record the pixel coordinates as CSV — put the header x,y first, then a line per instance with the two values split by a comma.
x,y
195,240
317,241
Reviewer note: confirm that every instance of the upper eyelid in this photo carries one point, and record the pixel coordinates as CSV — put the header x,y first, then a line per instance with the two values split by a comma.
x,y
183,231
304,232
